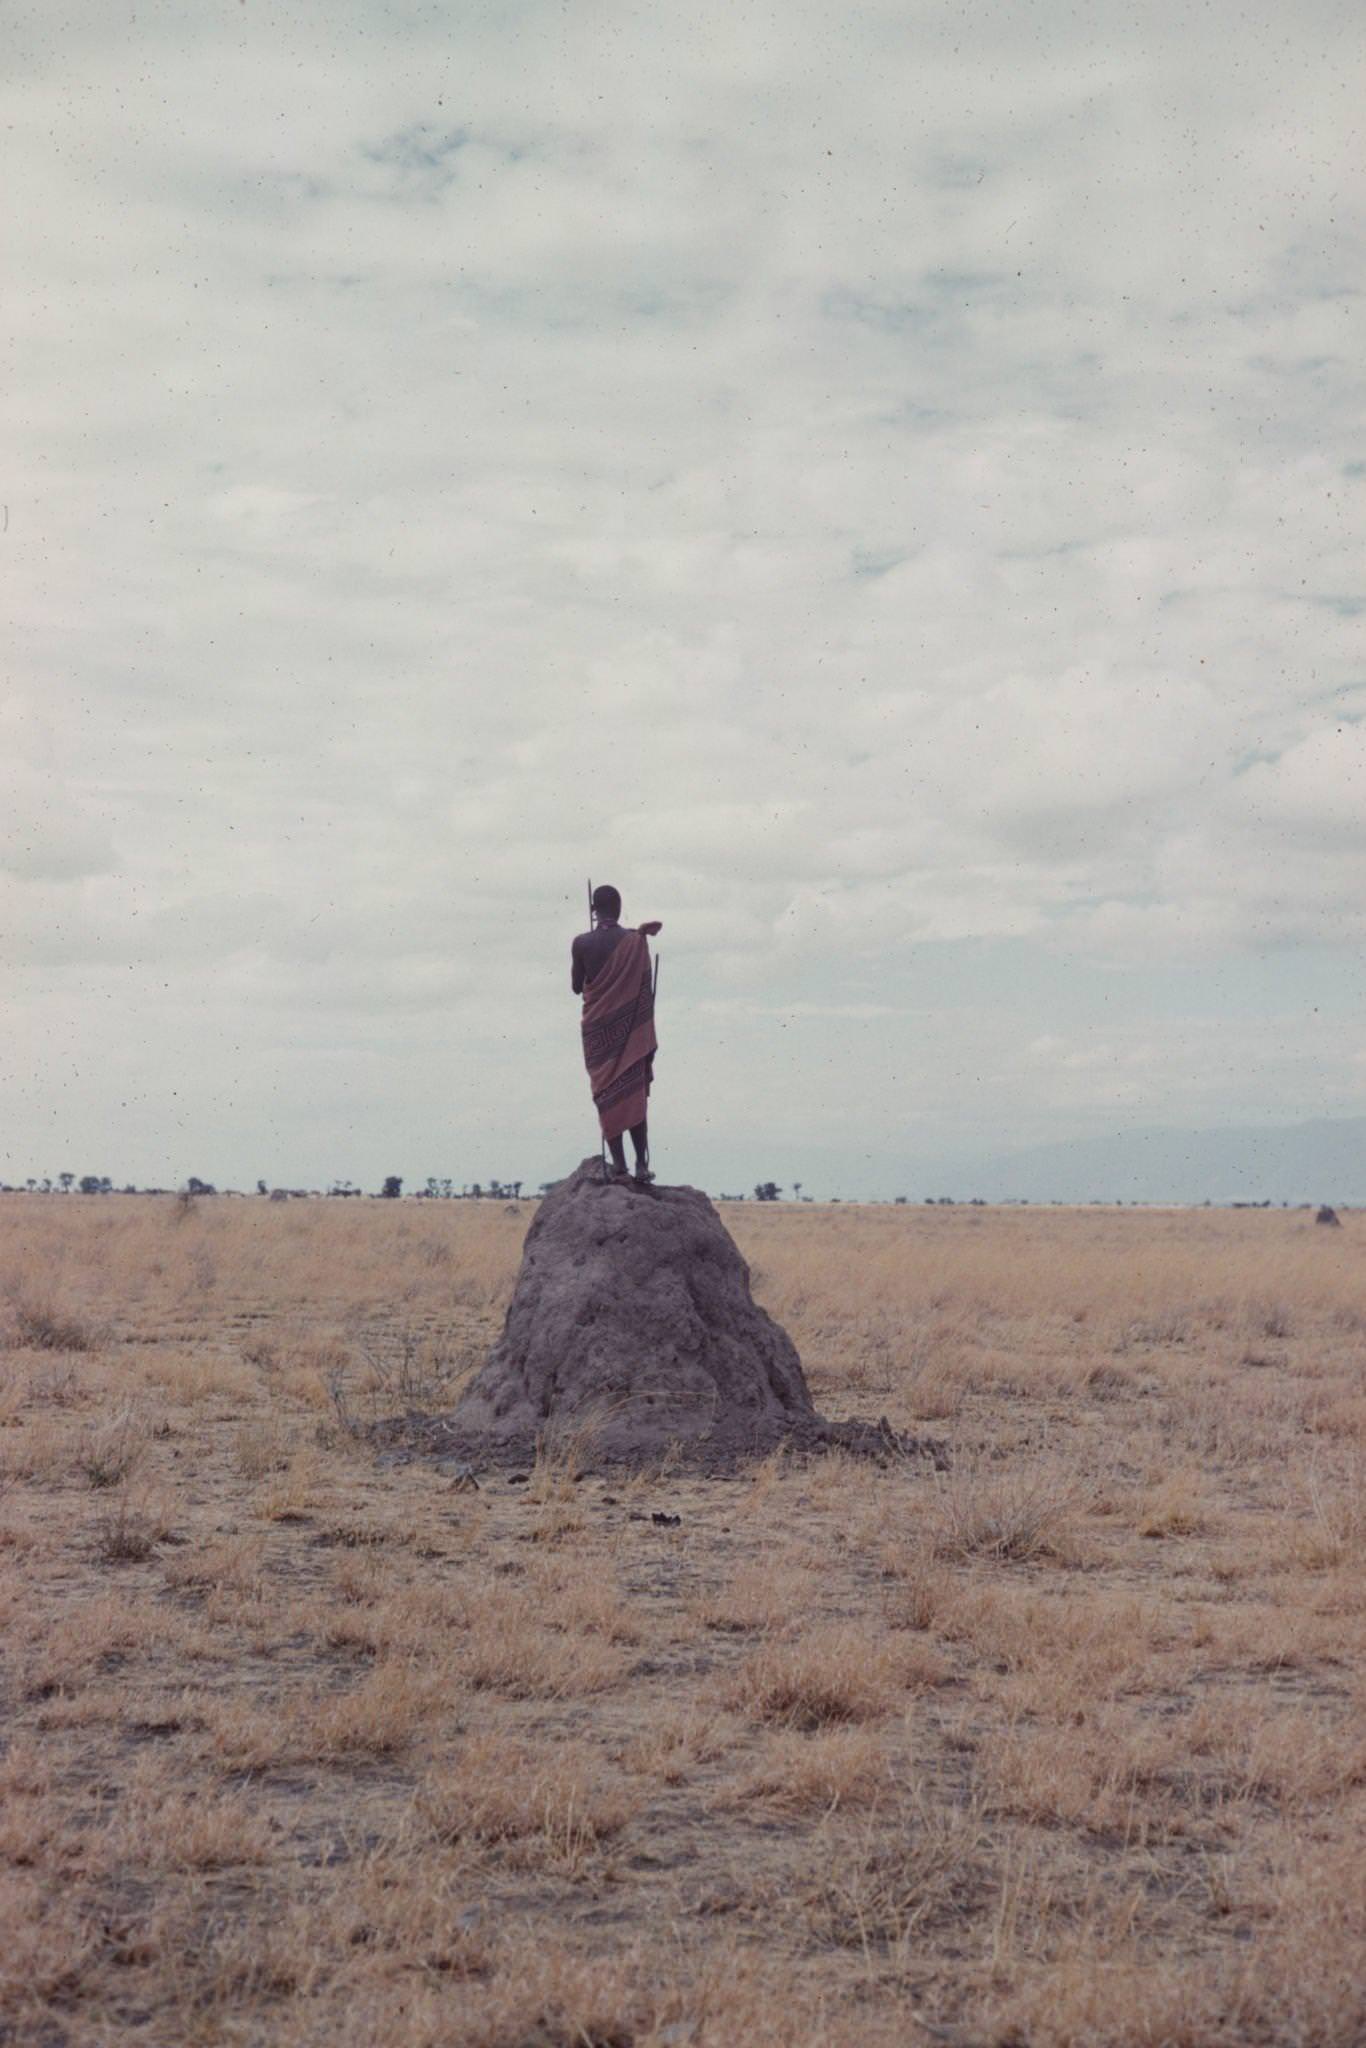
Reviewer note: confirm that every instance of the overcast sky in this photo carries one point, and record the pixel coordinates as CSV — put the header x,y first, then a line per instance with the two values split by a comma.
x,y
884,484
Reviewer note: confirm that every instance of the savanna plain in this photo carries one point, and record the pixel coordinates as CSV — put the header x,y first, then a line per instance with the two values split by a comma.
x,y
304,1743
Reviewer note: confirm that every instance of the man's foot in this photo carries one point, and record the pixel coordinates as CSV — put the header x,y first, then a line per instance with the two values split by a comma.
x,y
643,1176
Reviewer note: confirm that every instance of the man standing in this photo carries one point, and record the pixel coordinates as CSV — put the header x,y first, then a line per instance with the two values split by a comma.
x,y
610,968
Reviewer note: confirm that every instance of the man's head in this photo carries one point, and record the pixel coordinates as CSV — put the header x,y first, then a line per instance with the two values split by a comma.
x,y
606,903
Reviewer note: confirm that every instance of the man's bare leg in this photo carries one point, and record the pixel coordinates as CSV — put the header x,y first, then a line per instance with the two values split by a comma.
x,y
641,1143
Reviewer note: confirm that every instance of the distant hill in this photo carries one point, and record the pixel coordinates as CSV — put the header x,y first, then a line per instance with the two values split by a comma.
x,y
1323,1161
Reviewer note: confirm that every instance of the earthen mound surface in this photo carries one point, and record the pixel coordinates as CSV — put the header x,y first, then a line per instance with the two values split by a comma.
x,y
632,1326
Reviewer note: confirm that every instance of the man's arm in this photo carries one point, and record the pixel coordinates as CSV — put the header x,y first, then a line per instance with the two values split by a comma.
x,y
576,969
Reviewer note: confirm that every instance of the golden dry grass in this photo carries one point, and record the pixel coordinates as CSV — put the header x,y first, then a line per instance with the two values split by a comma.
x,y
1062,1748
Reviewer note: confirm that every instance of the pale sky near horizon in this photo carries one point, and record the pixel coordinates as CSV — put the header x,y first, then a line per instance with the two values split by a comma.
x,y
884,485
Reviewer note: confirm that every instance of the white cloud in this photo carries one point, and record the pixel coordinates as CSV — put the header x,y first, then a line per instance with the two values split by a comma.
x,y
51,835
873,482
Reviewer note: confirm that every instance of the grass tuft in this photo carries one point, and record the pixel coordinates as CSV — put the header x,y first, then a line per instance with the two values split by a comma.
x,y
1017,1515
834,1674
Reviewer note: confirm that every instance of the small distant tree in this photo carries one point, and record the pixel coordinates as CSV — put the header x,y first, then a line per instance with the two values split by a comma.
x,y
766,1191
797,1190
66,1180
197,1186
261,1188
90,1184
393,1186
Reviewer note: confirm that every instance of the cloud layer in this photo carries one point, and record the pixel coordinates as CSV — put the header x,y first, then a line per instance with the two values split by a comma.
x,y
885,487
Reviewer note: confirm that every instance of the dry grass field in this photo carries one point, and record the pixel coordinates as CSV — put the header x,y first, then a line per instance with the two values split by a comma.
x,y
1063,1746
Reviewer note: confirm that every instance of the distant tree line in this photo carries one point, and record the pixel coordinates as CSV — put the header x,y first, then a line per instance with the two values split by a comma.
x,y
342,1189
444,1189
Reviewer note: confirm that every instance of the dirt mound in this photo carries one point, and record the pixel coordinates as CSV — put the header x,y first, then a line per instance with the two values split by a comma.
x,y
632,1320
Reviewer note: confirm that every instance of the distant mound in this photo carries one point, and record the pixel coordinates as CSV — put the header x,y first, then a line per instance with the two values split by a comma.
x,y
632,1322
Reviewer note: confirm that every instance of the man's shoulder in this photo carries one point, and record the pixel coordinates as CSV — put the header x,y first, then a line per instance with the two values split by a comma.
x,y
580,939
